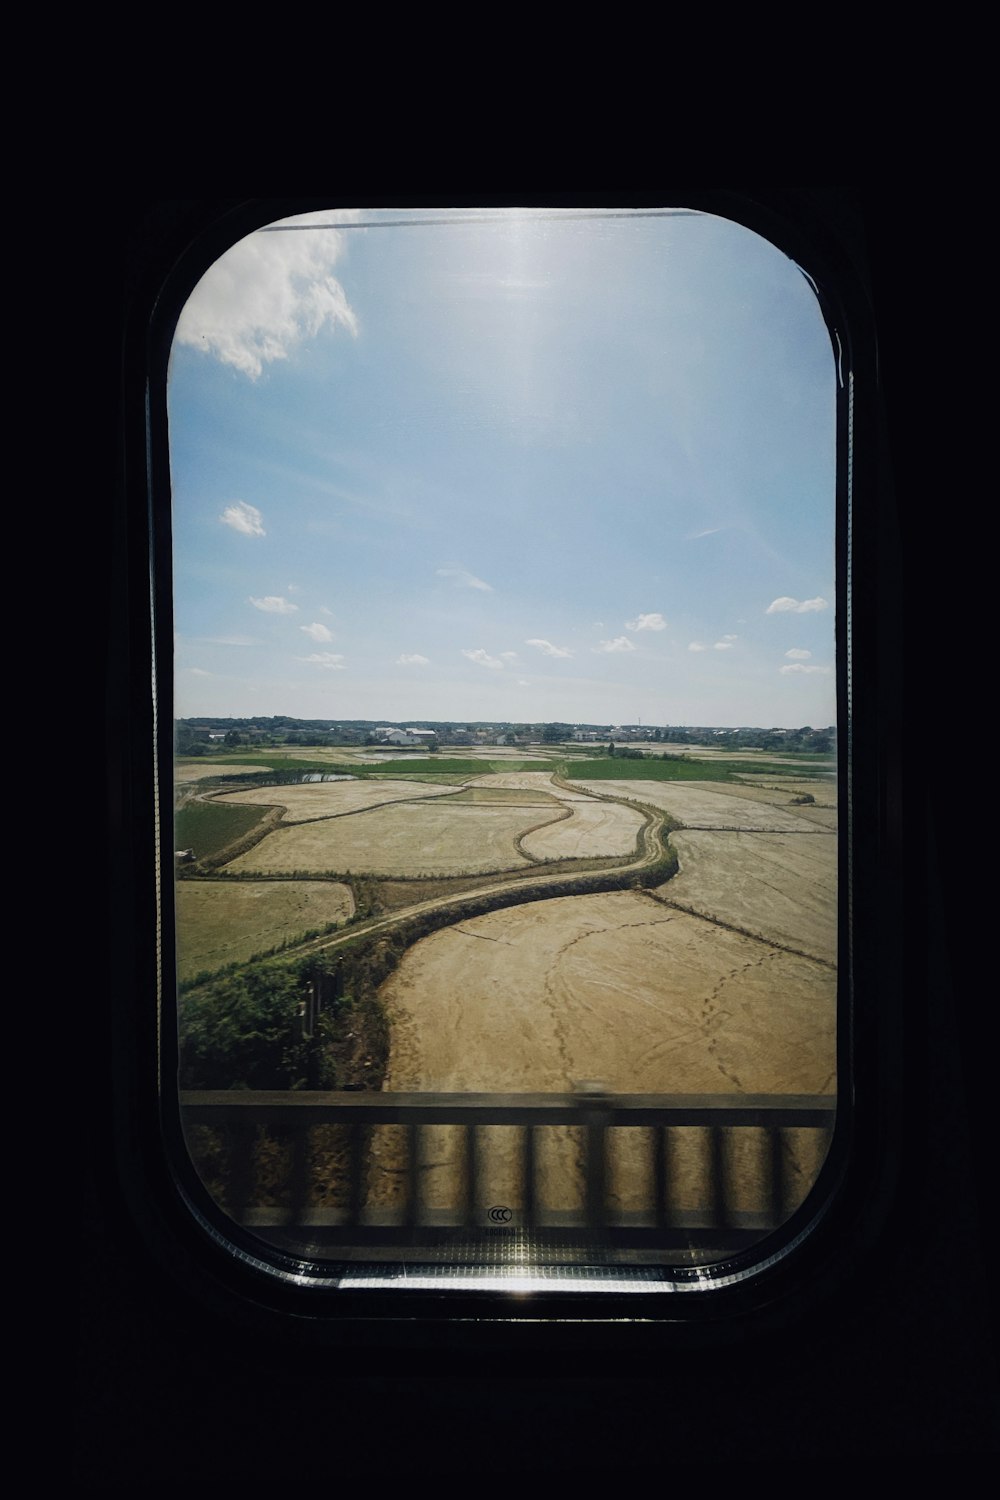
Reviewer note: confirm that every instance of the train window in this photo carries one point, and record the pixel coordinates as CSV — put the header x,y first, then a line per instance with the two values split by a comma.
x,y
505,745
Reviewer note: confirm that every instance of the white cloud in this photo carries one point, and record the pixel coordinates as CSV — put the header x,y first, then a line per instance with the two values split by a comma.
x,y
620,643
266,294
509,655
199,672
694,536
329,659
483,659
243,517
724,645
797,654
412,659
786,605
646,622
799,666
730,637
324,611
548,647
697,646
273,604
464,579
317,632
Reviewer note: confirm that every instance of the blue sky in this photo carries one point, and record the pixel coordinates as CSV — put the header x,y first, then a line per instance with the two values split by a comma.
x,y
511,465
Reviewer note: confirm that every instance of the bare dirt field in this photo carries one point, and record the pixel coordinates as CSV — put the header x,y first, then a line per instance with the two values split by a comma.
x,y
781,887
531,781
593,828
482,795
614,988
706,804
222,922
411,838
330,799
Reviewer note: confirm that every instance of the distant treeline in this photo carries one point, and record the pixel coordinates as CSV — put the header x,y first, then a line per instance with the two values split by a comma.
x,y
191,735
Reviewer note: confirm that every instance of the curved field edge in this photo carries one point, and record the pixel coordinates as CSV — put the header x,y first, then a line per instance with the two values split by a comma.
x,y
361,959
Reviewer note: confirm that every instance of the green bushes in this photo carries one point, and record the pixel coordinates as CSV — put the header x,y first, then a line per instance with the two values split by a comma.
x,y
244,1031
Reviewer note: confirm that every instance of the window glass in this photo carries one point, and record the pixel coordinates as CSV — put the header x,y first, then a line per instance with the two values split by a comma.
x,y
505,705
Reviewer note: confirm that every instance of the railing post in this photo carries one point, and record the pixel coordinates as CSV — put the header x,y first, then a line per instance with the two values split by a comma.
x,y
594,1104
718,1185
299,1194
777,1184
661,1191
530,1209
469,1204
412,1215
358,1154
239,1144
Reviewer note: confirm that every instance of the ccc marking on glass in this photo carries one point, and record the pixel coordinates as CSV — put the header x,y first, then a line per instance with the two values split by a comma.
x,y
499,1215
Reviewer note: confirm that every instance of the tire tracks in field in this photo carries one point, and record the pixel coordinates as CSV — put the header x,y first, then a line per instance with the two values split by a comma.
x,y
756,937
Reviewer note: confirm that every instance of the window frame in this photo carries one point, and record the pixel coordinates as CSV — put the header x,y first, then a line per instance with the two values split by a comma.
x,y
815,231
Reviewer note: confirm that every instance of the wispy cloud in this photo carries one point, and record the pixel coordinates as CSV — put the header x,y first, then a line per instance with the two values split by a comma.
x,y
646,622
483,659
547,647
273,604
265,295
694,536
620,643
412,659
698,646
798,654
799,666
725,644
329,659
243,517
464,579
199,672
786,605
317,632
324,611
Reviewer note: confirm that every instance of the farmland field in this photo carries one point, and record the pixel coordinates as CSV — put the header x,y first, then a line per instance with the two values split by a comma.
x,y
198,770
208,829
223,922
614,988
720,980
411,838
328,799
593,828
707,804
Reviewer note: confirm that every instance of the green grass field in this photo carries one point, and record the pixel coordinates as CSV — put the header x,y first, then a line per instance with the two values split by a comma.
x,y
618,768
208,827
446,765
